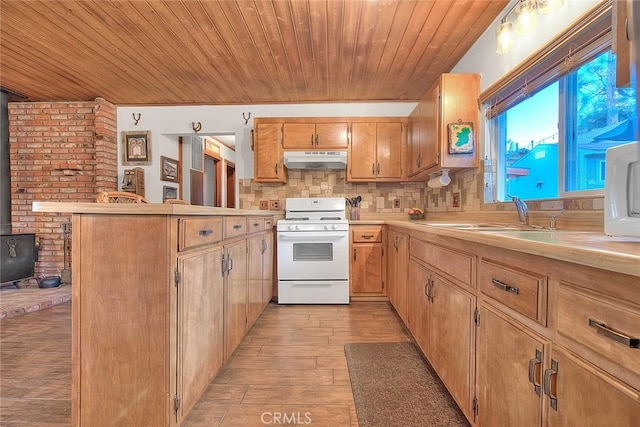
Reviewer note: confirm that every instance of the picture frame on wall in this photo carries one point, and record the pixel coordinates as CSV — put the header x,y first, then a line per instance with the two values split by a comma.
x,y
136,148
169,169
461,137
169,192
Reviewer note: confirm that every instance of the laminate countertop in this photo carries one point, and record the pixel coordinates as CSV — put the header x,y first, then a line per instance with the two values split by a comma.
x,y
146,209
589,248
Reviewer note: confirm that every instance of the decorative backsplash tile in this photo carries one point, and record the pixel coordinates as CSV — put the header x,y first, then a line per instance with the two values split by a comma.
x,y
378,197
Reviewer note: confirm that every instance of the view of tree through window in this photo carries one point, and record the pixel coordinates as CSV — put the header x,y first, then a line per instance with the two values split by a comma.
x,y
533,140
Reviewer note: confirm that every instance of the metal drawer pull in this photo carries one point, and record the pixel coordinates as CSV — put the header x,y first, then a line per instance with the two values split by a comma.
x,y
507,288
553,399
237,227
206,232
603,329
367,236
534,372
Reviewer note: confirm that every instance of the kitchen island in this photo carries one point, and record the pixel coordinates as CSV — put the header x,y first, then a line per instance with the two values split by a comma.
x,y
161,296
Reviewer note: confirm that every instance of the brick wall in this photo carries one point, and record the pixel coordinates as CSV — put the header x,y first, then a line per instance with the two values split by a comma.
x,y
62,152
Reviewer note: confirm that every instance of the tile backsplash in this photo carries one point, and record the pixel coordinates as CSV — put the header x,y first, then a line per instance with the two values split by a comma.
x,y
378,197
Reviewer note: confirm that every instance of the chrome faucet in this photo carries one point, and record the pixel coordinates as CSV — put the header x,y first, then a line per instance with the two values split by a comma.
x,y
523,210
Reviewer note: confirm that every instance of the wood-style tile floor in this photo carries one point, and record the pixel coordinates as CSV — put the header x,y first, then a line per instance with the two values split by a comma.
x,y
291,365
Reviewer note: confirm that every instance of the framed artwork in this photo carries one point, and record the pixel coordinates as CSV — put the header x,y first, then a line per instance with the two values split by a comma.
x,y
169,169
136,148
169,192
461,137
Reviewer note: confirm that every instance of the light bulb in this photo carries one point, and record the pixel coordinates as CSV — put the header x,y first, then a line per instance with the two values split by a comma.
x,y
505,38
548,6
527,18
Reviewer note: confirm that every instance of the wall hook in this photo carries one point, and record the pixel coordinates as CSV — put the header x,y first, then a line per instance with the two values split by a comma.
x,y
246,119
196,127
136,119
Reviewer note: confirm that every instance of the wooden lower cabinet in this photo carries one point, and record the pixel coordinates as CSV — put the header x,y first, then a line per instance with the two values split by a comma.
x,y
235,295
200,324
585,395
260,276
441,318
397,271
418,305
160,302
367,267
509,365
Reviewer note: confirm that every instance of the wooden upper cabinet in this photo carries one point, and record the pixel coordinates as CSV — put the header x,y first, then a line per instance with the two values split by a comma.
x,y
376,151
453,99
267,152
315,134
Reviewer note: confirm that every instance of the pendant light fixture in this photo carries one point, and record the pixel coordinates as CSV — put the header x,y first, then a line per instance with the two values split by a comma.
x,y
526,17
526,21
548,6
505,37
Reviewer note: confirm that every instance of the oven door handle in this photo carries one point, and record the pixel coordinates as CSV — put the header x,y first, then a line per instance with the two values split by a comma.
x,y
306,235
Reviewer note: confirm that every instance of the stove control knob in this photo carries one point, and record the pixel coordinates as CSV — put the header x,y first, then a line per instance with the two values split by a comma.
x,y
294,227
330,227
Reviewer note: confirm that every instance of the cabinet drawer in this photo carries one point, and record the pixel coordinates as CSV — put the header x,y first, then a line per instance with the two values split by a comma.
x,y
457,265
604,325
520,290
255,224
366,234
268,223
194,232
234,226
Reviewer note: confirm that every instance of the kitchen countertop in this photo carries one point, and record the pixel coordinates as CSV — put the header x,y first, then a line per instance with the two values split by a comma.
x,y
589,248
146,209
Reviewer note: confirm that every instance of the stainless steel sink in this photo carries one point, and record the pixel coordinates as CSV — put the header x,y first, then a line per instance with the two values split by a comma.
x,y
470,226
484,227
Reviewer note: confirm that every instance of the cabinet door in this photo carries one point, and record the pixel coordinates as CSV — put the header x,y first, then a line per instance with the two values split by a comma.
x,y
362,160
413,140
268,157
452,336
235,316
200,323
388,150
366,269
509,366
255,274
397,261
429,130
331,136
418,304
299,136
267,268
586,395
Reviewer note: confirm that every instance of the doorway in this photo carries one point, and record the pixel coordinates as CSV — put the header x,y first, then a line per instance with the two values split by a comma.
x,y
213,180
231,184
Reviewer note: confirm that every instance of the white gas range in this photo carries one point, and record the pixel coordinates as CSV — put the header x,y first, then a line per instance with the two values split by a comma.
x,y
313,252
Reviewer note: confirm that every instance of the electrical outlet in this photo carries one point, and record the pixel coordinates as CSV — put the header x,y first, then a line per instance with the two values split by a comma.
x,y
455,202
396,203
264,205
274,205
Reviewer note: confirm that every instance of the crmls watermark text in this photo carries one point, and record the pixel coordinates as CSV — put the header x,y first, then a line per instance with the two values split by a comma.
x,y
286,418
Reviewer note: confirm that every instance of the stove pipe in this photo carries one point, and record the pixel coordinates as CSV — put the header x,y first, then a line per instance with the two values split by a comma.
x,y
5,166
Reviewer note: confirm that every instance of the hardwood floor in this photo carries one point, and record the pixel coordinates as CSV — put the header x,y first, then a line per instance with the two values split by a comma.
x,y
290,366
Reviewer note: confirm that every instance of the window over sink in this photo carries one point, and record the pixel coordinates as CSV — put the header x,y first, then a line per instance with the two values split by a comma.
x,y
550,121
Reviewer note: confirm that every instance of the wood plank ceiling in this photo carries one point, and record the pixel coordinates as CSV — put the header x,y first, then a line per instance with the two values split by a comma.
x,y
234,52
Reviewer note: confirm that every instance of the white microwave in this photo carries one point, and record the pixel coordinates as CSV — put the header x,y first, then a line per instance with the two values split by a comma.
x,y
622,190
